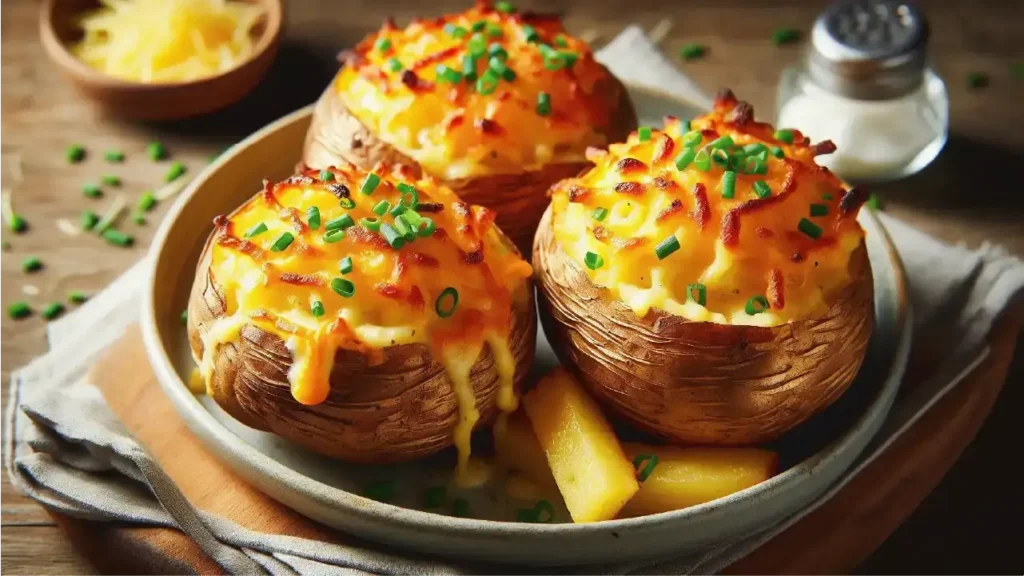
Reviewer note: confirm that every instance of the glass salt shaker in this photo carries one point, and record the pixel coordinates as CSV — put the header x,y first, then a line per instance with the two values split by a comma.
x,y
865,84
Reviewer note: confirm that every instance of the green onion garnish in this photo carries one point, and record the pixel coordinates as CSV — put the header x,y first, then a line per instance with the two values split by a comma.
x,y
343,287
382,45
156,151
542,513
720,156
561,42
394,65
977,80
785,36
702,293
139,219
454,31
643,133
819,210
394,238
348,203
410,197
446,302
382,208
75,153
114,156
762,189
777,152
398,210
283,242
593,261
345,265
874,201
256,230
702,160
425,228
687,126
313,217
340,223
381,491
786,136
92,191
111,180
17,223
756,305
493,30
326,175
52,310
77,297
809,228
544,104
826,196
117,238
477,45
692,51
19,310
409,216
487,83
684,159
600,214
554,60
530,34
370,184
666,247
448,74
754,148
496,50
174,172
89,219
692,138
469,68
316,308
333,236
644,473
721,143
370,223
404,230
183,316
728,184
147,201
478,26
504,7
460,507
434,497
498,66
31,264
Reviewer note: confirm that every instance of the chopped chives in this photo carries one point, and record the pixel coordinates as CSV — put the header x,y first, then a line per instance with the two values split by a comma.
x,y
425,228
460,507
504,7
530,34
147,201
642,474
554,60
410,196
756,305
544,104
89,219
687,126
139,219
381,491
728,184
755,148
382,208
326,175
394,239
345,265
17,223
469,68
493,30
32,264
117,238
874,201
783,36
809,228
156,151
441,305
561,42
692,51
398,210
684,159
593,260
409,216
333,236
487,83
600,214
454,30
256,230
434,497
478,26
786,136
184,316
283,242
92,191
721,143
393,64
692,138
77,297
477,45
826,196
404,229
977,80
75,153
702,293
348,203
702,160
498,66
666,247
313,217
448,74
343,287
382,44
720,156
541,513
19,310
372,224
316,308
370,184
777,152
174,172
643,133
52,310
819,210
762,189
340,223
114,156
111,180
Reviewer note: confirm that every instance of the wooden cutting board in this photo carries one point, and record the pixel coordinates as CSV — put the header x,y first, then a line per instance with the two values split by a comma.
x,y
835,538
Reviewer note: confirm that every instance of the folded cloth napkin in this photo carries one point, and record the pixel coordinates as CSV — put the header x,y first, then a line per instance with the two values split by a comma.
x,y
66,449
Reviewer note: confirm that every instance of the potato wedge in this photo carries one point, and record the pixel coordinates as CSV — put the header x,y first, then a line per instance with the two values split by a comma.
x,y
591,469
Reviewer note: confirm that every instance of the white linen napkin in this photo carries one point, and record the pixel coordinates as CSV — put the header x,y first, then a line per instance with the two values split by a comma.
x,y
64,448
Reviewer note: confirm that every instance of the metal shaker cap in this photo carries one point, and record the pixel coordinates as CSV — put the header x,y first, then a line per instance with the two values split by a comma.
x,y
869,49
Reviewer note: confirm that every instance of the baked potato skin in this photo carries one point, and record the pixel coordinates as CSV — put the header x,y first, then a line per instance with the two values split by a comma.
x,y
519,199
396,407
696,382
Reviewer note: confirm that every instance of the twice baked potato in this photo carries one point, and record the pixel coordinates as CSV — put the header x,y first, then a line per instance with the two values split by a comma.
x,y
498,105
368,315
708,282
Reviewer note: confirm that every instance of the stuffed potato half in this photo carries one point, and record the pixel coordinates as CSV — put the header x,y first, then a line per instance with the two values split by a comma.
x,y
708,283
499,105
369,316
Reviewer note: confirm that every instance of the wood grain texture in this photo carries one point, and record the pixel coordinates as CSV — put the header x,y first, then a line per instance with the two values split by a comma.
x,y
40,115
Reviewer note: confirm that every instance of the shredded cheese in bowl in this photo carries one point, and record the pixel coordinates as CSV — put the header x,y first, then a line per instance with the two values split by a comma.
x,y
167,41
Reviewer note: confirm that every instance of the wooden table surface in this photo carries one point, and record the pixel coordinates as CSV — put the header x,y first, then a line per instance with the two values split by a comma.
x,y
962,197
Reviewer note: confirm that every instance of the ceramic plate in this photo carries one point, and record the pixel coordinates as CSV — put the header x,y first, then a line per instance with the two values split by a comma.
x,y
812,456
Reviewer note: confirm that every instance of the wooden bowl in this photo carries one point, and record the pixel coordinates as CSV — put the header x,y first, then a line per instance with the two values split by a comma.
x,y
58,29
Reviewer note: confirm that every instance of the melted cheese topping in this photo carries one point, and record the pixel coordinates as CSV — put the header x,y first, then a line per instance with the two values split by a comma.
x,y
391,84
756,249
288,289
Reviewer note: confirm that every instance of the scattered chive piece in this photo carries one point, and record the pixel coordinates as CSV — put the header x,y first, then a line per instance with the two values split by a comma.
x,y
702,160
777,152
111,180
256,230
174,172
409,216
819,210
478,26
313,217
702,293
687,126
874,201
370,223
32,264
504,7
721,157
477,46
542,513
493,30
728,184
684,159
756,305
530,33
381,491
762,189
454,30
809,228
382,44
92,191
786,136
754,148
977,80
692,138
721,143
398,210
283,242
404,230
117,238
434,497
184,316
394,65
544,104
692,51
487,83
443,309
642,474
370,184
316,308
345,265
496,50
89,219
460,507
343,287
75,153
348,203
666,247
326,175
593,261
410,196
139,219
498,66
643,133
561,42
426,228
554,60
469,68
785,36
395,239
147,201
77,297
382,208
156,151
600,214
333,236
16,223
19,310
52,310
448,74
826,196
114,156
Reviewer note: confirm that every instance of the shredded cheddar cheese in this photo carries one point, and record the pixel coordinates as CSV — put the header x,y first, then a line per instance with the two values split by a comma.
x,y
724,220
481,92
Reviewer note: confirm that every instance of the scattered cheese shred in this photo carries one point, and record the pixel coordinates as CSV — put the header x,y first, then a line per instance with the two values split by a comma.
x,y
68,227
162,41
30,290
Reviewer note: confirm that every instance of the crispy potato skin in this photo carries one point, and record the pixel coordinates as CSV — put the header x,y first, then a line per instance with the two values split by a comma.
x,y
519,199
698,382
399,409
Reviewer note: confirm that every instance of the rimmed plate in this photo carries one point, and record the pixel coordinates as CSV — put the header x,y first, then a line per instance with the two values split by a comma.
x,y
812,456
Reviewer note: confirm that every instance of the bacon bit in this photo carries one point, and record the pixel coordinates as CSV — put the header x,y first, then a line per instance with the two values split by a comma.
x,y
363,236
776,293
285,326
440,234
460,208
741,115
261,314
628,243
244,246
424,259
674,208
301,279
488,126
268,195
429,207
485,217
670,119
665,149
296,179
389,24
474,257
724,100
414,82
465,228
797,257
664,183
435,58
630,188
221,221
339,190
853,199
416,297
628,165
822,148
763,232
601,234
295,216
307,250
701,208
454,121
578,193
708,134
789,181
388,290
531,17
730,227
